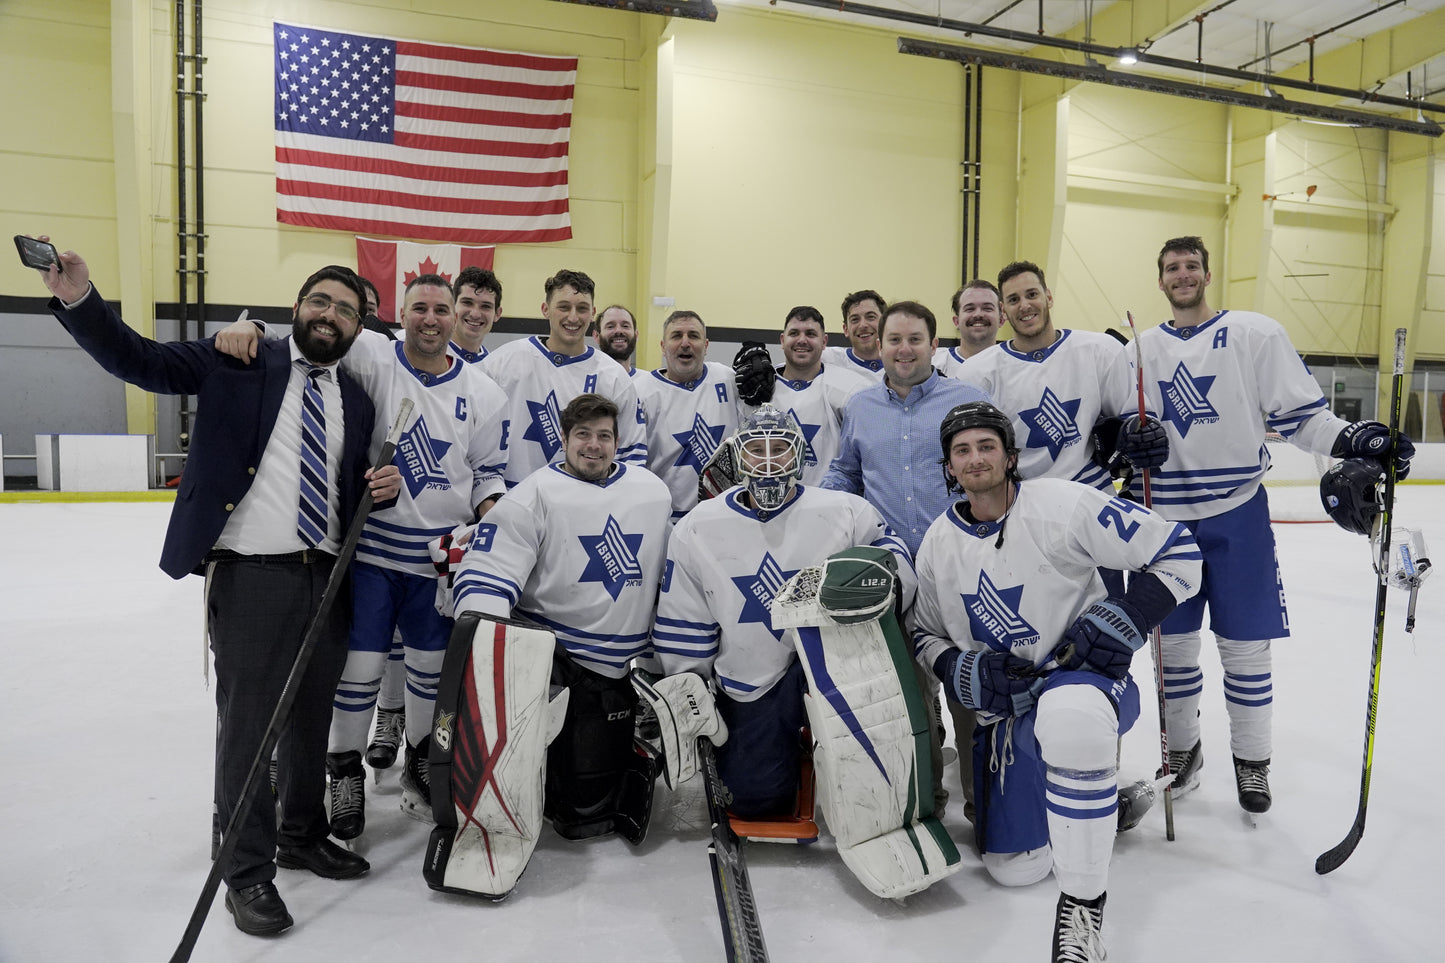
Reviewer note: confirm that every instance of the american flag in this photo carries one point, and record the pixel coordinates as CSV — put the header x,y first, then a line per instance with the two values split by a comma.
x,y
419,140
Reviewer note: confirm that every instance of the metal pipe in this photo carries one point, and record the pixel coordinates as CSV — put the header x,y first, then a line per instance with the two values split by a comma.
x,y
977,168
1327,31
197,103
967,166
181,248
966,28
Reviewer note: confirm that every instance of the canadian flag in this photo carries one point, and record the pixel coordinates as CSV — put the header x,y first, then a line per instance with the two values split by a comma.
x,y
391,264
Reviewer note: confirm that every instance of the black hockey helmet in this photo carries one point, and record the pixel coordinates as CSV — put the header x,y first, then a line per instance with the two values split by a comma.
x,y
1350,492
974,414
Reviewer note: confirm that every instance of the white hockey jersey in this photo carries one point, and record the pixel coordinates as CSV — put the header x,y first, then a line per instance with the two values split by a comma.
x,y
539,384
949,362
580,559
818,407
844,358
470,357
725,564
1216,387
1054,396
686,422
1021,596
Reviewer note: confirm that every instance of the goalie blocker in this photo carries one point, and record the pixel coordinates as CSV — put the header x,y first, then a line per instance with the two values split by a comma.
x,y
499,705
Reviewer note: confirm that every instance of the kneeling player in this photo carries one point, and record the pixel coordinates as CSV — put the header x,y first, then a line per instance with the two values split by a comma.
x,y
1014,619
577,549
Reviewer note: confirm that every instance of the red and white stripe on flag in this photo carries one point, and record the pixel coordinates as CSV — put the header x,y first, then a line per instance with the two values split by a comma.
x,y
428,141
391,264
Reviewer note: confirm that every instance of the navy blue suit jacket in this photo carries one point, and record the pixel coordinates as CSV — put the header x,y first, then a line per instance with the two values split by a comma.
x,y
236,409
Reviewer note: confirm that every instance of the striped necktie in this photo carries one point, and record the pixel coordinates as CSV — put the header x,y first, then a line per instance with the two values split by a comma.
x,y
311,519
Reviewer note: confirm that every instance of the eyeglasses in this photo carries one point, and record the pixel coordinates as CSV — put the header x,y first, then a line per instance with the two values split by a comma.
x,y
320,302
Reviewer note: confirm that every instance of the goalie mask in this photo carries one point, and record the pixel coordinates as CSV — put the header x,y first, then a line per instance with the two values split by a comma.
x,y
1350,492
770,449
975,414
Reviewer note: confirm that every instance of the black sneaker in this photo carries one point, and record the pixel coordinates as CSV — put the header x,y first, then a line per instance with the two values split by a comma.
x,y
386,740
1252,781
348,794
416,782
1078,930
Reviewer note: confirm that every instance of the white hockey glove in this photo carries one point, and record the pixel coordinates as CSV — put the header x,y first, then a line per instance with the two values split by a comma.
x,y
685,712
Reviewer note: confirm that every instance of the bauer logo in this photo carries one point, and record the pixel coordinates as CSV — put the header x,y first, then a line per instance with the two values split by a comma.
x,y
698,443
612,558
419,456
442,731
546,425
1052,425
1186,400
993,616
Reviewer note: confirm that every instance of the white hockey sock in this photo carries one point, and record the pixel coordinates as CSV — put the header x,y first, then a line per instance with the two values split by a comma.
x,y
1077,730
1183,683
393,677
355,698
423,671
1249,696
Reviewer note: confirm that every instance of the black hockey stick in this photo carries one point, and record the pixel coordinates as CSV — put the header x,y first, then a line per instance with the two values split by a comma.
x,y
262,762
1335,858
742,932
1157,638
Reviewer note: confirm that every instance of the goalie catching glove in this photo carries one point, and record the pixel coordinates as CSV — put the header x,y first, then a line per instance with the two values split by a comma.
x,y
992,682
857,584
685,712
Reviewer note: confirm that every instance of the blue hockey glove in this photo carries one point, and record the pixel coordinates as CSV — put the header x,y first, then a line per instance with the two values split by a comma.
x,y
994,682
1145,444
1370,439
1103,639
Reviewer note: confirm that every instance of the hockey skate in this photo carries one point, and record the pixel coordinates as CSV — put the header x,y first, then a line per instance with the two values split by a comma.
x,y
386,740
1138,798
348,794
416,782
1184,765
1078,926
1252,781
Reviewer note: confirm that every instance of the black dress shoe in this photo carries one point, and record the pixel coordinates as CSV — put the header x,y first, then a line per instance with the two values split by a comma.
x,y
258,909
325,859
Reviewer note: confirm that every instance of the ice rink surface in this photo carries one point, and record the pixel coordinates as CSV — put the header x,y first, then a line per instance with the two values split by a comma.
x,y
107,727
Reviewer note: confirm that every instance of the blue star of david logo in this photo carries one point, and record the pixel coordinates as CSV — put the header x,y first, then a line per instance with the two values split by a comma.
x,y
546,426
809,457
1186,400
1052,424
419,456
993,616
611,558
758,591
698,443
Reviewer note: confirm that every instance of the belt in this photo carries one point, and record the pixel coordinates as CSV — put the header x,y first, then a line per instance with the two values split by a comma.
x,y
307,556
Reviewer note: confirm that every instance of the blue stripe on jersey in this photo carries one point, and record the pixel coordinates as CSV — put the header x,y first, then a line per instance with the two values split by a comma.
x,y
1288,422
733,685
699,651
377,538
1095,477
683,624
1181,544
427,533
422,557
580,633
481,584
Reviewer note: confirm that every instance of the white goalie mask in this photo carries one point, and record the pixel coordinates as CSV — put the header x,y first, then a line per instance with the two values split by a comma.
x,y
769,448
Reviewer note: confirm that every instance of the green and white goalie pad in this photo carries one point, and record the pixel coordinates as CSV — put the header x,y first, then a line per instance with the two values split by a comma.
x,y
874,770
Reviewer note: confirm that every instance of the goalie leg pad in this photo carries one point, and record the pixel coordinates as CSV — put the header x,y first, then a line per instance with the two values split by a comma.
x,y
489,740
593,755
872,754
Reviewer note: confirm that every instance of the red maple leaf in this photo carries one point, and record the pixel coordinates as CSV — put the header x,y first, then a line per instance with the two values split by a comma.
x,y
425,267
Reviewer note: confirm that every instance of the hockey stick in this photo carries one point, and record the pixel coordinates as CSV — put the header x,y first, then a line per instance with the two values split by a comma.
x,y
261,763
1157,638
742,932
1335,858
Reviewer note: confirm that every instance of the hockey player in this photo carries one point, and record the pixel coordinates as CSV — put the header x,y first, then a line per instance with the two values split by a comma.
x,y
577,549
1217,379
540,375
814,393
862,315
976,317
726,561
691,408
478,296
615,334
1014,619
1057,385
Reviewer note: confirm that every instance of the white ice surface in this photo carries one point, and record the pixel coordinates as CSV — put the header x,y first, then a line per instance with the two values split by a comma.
x,y
106,731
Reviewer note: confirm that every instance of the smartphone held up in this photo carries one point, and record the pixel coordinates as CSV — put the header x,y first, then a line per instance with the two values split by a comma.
x,y
36,254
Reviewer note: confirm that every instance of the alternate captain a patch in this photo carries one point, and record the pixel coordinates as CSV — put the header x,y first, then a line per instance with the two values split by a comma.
x,y
612,558
546,425
1186,400
419,456
993,616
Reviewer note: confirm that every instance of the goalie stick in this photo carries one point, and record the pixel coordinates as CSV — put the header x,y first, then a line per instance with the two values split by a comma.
x,y
262,762
1335,858
1156,638
742,932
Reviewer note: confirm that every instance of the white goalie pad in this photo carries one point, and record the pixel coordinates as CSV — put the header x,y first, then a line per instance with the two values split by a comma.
x,y
496,713
872,751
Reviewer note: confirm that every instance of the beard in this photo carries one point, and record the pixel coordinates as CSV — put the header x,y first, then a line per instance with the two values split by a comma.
x,y
1192,301
313,348
618,354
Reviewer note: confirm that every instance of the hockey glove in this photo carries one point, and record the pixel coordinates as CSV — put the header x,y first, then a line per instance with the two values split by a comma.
x,y
1370,439
1145,443
685,711
858,584
993,682
1103,639
755,373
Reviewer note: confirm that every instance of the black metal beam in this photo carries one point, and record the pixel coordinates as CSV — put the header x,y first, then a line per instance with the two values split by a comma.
x,y
1158,85
687,9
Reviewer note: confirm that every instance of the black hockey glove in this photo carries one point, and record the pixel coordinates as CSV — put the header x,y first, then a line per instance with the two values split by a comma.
x,y
994,682
755,372
1370,439
1103,639
1145,443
